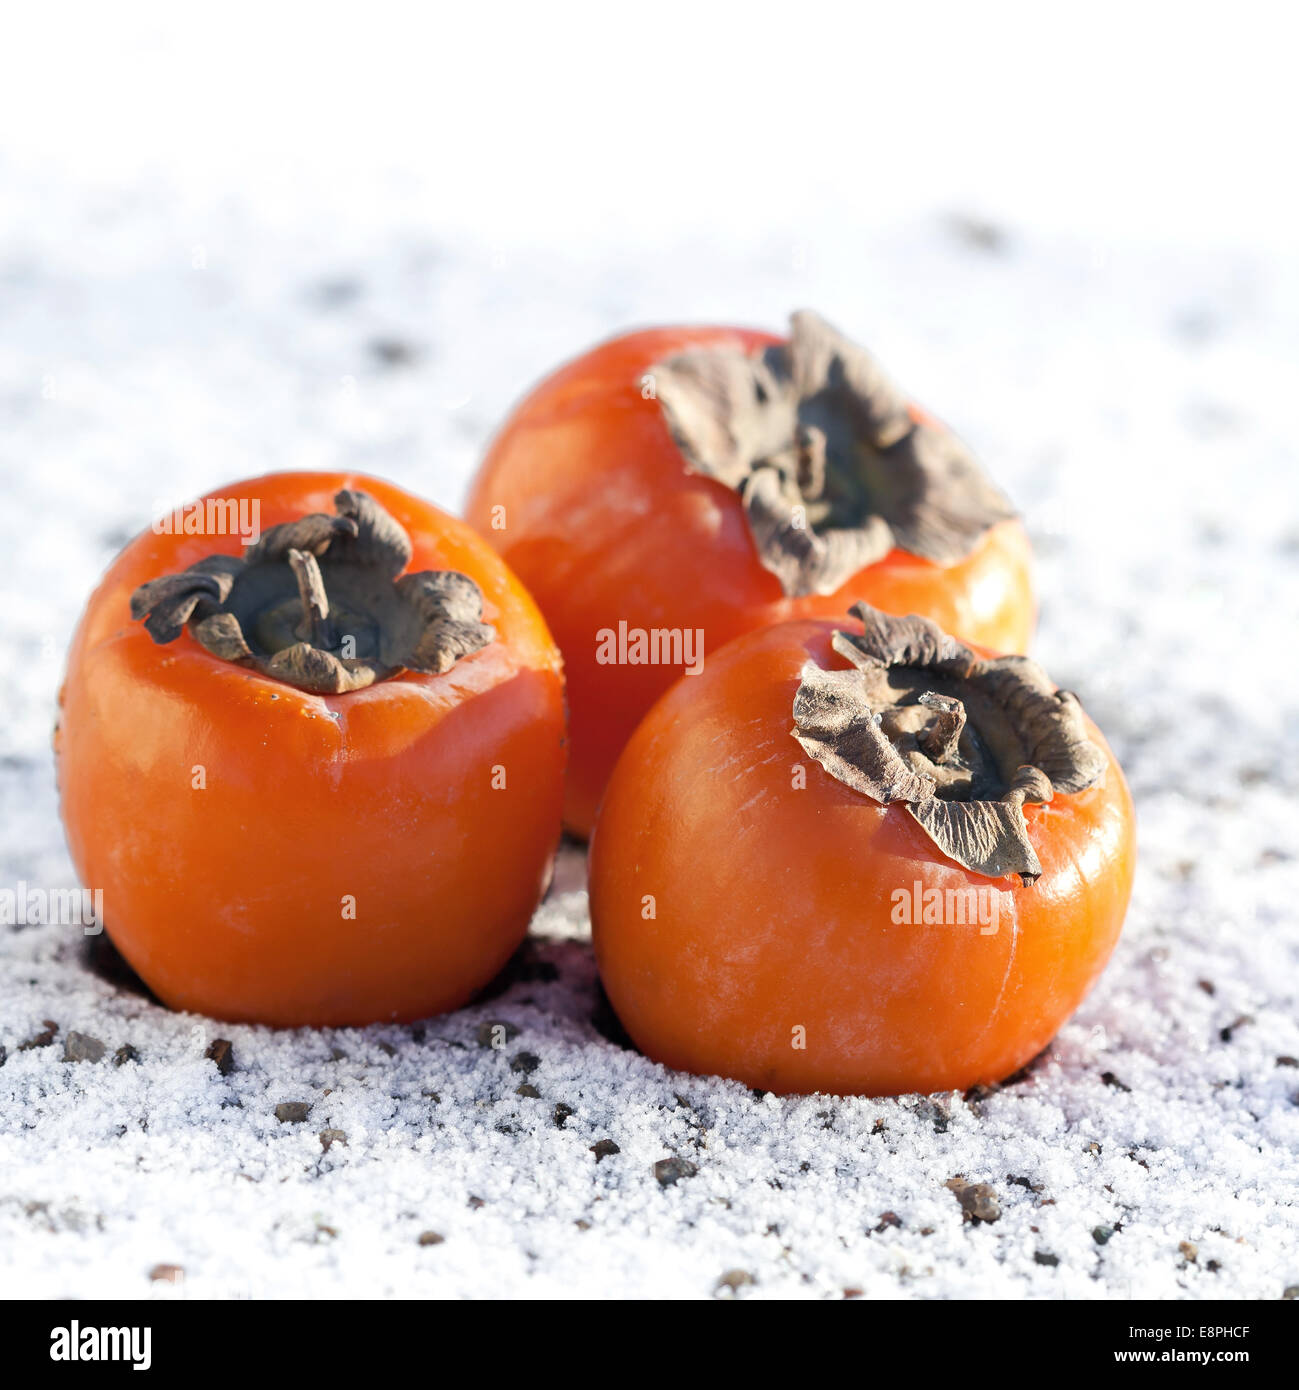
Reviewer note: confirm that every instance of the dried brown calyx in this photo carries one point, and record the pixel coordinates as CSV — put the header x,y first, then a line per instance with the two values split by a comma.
x,y
317,603
963,742
832,469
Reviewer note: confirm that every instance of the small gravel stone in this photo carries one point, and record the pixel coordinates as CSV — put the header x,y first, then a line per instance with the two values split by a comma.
x,y
671,1170
525,1063
979,1200
1044,1257
733,1281
167,1274
330,1137
292,1112
81,1047
222,1052
42,1039
604,1148
431,1238
124,1054
937,1110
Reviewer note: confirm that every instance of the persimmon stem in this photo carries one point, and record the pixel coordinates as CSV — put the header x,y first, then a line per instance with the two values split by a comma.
x,y
833,468
315,626
243,608
1026,741
939,739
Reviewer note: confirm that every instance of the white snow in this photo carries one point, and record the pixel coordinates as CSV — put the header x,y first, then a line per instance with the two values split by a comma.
x,y
1133,391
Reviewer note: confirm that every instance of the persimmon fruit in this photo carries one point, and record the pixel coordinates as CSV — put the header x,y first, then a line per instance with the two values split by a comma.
x,y
863,859
321,781
710,480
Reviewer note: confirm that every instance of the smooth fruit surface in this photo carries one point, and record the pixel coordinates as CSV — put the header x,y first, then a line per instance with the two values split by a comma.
x,y
272,855
744,903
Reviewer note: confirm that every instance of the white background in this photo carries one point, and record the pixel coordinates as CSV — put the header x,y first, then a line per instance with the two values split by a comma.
x,y
586,124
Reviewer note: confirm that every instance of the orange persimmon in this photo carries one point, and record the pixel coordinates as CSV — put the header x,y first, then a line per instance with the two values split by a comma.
x,y
679,486
865,861
321,782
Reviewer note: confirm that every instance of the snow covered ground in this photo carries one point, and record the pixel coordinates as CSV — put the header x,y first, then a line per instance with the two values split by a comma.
x,y
1129,383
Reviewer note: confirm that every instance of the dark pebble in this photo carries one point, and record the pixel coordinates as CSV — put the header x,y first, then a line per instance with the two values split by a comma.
x,y
42,1039
1290,1293
525,1063
292,1112
430,1238
562,1112
528,1090
124,1054
1044,1257
937,1110
887,1219
1287,1061
978,1200
604,1148
671,1170
330,1137
81,1047
222,1052
1101,1234
1110,1079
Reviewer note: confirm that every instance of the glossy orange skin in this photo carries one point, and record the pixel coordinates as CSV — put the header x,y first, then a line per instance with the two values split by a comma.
x,y
230,900
773,905
602,522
